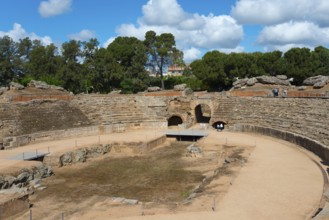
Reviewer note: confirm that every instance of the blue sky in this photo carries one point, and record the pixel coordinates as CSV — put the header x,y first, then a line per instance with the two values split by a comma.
x,y
198,25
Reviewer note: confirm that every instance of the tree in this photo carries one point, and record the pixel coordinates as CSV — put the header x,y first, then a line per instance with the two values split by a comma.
x,y
210,70
71,69
161,51
269,61
24,49
298,64
10,63
90,49
109,73
130,53
43,63
320,61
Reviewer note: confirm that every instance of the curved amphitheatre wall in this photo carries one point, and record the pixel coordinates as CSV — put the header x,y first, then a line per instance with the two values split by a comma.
x,y
299,120
19,119
24,122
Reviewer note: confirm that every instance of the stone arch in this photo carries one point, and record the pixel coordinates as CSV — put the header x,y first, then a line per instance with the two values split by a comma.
x,y
202,113
175,120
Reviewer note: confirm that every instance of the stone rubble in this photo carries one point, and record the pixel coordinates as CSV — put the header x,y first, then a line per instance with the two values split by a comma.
x,y
43,85
81,155
316,81
153,89
180,87
15,86
273,80
25,177
3,90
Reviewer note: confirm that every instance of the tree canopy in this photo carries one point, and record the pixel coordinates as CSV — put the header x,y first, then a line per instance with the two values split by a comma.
x,y
125,64
218,70
161,51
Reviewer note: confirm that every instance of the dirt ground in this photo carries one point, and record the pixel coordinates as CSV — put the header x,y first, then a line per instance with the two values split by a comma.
x,y
263,178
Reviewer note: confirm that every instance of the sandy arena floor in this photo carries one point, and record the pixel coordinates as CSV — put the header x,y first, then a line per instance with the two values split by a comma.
x,y
279,181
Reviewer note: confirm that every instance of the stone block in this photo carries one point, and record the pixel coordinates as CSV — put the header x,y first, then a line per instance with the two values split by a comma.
x,y
16,86
180,87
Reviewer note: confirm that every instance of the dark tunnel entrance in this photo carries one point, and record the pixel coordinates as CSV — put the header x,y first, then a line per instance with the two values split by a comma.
x,y
175,121
202,113
219,125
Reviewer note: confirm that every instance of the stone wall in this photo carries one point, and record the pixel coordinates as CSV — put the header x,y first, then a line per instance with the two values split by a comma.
x,y
43,120
16,141
34,121
38,116
301,116
312,145
122,109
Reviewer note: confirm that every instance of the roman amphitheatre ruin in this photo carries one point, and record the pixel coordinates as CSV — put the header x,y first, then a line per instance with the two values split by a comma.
x,y
158,155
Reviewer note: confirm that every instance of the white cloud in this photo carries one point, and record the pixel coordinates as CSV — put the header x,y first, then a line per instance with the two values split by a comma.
x,y
160,12
83,35
218,31
238,49
278,11
190,30
18,32
108,42
284,48
191,54
51,8
286,24
294,33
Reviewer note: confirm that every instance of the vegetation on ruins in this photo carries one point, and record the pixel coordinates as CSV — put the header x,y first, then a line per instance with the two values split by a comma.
x,y
124,64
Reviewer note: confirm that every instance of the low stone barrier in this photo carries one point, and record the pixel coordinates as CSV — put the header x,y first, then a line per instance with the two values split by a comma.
x,y
81,155
12,142
314,146
77,156
153,143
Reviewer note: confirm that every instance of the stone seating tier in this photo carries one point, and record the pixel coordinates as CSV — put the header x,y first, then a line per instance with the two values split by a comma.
x,y
307,117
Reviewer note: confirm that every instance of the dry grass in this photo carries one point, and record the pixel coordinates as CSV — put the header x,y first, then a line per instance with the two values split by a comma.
x,y
159,176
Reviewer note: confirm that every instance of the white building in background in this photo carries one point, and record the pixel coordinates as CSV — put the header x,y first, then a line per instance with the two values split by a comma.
x,y
173,70
176,70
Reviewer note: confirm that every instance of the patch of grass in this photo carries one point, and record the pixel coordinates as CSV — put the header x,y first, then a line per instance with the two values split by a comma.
x,y
156,177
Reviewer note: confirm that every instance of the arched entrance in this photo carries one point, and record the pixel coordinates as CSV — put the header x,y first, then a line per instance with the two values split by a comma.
x,y
202,113
175,121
